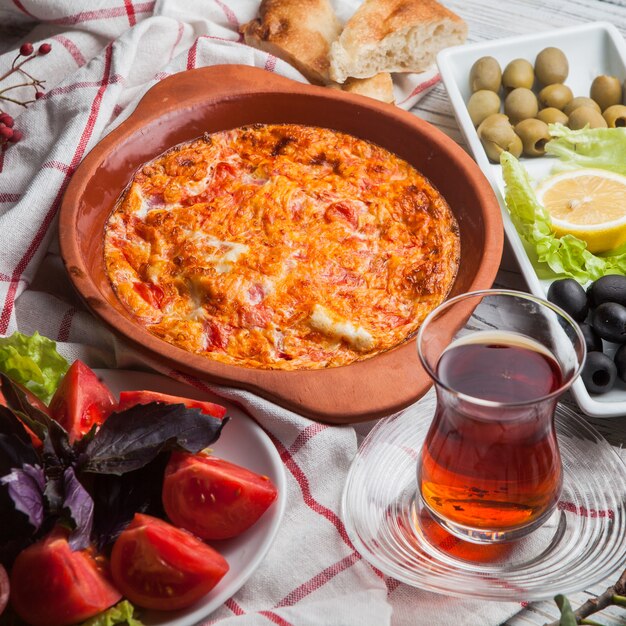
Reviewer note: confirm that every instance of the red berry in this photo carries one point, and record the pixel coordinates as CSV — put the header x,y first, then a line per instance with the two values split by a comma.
x,y
7,120
39,94
17,135
26,49
44,48
6,132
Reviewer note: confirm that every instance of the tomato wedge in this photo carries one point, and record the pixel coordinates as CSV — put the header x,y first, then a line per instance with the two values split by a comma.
x,y
51,585
159,566
213,498
131,398
80,401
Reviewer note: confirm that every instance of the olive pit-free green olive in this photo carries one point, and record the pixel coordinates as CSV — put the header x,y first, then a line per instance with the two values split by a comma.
x,y
580,101
550,115
615,116
521,104
551,66
556,95
485,74
606,91
518,73
497,135
534,135
482,104
583,116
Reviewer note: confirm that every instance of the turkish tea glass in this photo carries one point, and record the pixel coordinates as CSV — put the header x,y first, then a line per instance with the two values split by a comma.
x,y
490,468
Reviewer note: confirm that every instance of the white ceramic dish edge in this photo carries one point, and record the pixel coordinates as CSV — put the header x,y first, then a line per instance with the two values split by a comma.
x,y
242,442
603,49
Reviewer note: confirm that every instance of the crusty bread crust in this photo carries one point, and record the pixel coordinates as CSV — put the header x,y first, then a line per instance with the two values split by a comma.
x,y
394,36
298,31
379,87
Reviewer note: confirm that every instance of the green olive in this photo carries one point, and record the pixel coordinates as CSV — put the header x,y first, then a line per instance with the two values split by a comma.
x,y
551,66
534,135
550,115
583,116
615,116
482,104
518,73
556,95
606,91
521,104
580,101
497,135
485,74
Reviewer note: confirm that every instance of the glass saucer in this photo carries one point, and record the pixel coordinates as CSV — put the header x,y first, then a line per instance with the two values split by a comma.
x,y
582,542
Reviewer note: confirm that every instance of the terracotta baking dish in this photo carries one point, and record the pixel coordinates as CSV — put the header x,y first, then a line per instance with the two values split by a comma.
x,y
188,104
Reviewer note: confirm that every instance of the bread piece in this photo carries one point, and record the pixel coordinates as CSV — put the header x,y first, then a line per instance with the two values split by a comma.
x,y
379,87
394,36
298,31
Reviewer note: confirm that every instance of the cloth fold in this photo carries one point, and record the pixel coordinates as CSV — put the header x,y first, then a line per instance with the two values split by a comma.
x,y
105,55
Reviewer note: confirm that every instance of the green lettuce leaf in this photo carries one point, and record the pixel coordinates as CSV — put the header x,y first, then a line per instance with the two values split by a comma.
x,y
33,362
122,613
603,148
565,256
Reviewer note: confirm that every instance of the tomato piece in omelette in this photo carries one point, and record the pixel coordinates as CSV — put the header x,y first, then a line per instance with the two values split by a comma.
x,y
281,246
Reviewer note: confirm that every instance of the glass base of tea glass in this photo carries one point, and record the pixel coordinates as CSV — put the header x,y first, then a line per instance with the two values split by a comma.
x,y
476,535
580,543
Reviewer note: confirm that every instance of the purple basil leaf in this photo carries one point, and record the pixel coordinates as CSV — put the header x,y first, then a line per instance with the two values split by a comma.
x,y
26,487
79,505
16,399
118,498
132,438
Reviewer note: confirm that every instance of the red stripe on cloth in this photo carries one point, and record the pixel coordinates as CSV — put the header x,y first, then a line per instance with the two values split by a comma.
x,y
66,324
234,607
301,592
23,9
191,55
230,16
115,78
72,48
270,64
22,264
130,11
10,197
276,619
3,149
570,507
57,165
422,87
303,483
179,36
305,436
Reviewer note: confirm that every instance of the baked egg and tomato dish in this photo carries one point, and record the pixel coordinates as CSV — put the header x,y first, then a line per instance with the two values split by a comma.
x,y
281,246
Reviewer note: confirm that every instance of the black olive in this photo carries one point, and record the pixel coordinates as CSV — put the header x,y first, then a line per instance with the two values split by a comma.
x,y
592,340
599,372
609,321
570,296
620,362
611,288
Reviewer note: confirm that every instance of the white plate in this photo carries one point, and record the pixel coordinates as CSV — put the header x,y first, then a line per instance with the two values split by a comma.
x,y
242,442
591,49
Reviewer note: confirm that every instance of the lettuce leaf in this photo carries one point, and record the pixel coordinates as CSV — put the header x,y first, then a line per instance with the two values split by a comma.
x,y
565,256
603,148
33,362
121,613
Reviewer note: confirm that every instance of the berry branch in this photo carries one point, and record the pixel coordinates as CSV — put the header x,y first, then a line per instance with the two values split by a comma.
x,y
8,133
613,596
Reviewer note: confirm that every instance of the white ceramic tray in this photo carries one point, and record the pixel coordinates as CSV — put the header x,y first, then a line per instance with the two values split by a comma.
x,y
591,49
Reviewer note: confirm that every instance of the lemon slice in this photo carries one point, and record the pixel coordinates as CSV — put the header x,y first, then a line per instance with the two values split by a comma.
x,y
587,203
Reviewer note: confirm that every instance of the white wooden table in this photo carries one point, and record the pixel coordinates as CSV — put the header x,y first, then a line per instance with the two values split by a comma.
x,y
492,19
